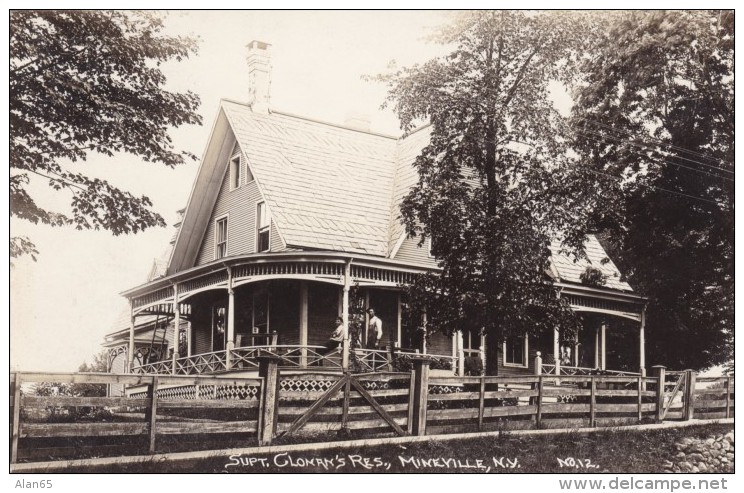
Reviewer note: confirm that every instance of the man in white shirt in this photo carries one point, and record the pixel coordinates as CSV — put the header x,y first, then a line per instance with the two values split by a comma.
x,y
374,332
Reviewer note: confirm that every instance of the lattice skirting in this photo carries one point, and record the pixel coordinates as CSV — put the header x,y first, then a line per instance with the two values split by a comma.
x,y
227,392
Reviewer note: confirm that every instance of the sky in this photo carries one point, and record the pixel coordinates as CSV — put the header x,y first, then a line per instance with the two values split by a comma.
x,y
62,305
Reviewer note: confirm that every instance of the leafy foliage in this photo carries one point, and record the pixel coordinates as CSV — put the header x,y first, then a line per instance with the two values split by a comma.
x,y
593,277
495,182
83,82
654,118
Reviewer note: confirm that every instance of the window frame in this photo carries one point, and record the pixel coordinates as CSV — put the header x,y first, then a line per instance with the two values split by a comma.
x,y
263,229
525,355
235,165
217,242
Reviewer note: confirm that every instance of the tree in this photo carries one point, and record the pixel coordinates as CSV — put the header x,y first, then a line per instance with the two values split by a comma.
x,y
83,82
495,181
654,118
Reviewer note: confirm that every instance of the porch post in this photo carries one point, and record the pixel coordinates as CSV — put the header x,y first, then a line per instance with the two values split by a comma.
x,y
642,343
557,351
423,322
399,339
604,344
303,324
460,354
576,353
130,349
230,344
176,328
345,315
189,335
366,317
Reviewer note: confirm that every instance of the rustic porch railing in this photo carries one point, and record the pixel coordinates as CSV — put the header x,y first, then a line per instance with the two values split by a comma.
x,y
290,356
549,369
260,410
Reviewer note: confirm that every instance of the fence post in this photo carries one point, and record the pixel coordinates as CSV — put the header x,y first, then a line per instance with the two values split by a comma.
x,y
593,401
420,394
268,369
538,411
15,395
659,372
151,413
538,363
481,401
728,397
689,397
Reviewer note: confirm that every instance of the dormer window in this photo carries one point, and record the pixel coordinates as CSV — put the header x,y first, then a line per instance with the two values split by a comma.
x,y
220,238
235,172
263,226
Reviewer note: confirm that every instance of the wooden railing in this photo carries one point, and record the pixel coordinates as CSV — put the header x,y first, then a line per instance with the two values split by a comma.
x,y
290,356
277,403
549,369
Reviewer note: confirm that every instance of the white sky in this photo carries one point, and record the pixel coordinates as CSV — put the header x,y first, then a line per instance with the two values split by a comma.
x,y
63,304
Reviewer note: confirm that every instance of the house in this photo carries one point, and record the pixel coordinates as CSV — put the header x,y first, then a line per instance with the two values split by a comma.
x,y
292,222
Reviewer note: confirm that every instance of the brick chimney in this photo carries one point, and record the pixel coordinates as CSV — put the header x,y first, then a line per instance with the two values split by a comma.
x,y
259,75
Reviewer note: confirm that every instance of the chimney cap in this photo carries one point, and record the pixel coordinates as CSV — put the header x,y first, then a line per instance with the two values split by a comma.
x,y
258,45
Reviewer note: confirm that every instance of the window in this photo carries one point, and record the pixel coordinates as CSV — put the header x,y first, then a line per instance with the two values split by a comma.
x,y
515,351
263,222
220,238
234,172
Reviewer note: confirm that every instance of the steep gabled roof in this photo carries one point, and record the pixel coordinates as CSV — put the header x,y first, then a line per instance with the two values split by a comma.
x,y
327,187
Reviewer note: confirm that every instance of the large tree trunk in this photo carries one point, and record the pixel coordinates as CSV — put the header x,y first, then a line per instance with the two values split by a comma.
x,y
492,353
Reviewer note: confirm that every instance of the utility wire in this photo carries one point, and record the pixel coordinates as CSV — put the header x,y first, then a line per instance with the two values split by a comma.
x,y
628,133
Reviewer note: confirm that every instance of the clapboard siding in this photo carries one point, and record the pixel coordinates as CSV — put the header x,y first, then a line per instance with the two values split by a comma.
x,y
240,205
410,251
275,241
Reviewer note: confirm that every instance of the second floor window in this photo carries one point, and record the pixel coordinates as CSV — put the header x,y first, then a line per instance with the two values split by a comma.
x,y
263,225
221,238
235,172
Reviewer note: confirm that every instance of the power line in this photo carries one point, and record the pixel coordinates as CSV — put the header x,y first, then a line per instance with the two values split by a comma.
x,y
628,133
599,136
618,135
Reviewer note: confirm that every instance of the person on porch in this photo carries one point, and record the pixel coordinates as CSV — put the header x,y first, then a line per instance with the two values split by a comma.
x,y
374,332
337,338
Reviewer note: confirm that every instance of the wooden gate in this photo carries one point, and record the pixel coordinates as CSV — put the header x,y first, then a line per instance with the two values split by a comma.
x,y
676,380
346,384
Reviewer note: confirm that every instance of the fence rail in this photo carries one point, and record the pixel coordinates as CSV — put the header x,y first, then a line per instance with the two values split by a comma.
x,y
257,411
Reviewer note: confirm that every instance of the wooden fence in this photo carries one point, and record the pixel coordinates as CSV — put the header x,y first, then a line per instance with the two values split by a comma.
x,y
167,413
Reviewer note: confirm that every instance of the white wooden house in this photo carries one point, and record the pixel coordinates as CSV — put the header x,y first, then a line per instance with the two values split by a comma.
x,y
286,216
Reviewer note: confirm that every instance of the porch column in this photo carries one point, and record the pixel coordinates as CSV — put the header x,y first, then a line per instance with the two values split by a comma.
x,y
557,350
460,354
399,340
189,335
596,347
366,317
130,349
303,324
345,315
230,344
176,328
576,354
604,344
642,343
423,342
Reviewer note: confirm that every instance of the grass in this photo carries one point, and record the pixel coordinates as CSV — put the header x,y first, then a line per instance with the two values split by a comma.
x,y
607,451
